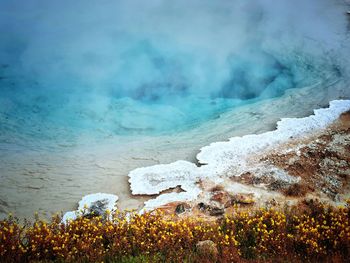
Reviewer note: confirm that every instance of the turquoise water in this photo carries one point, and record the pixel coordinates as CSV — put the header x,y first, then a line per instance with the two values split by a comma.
x,y
77,75
157,104
112,69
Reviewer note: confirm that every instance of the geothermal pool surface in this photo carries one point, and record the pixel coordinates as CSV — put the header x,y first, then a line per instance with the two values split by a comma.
x,y
91,90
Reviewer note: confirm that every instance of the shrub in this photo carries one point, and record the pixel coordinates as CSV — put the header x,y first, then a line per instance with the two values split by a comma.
x,y
315,233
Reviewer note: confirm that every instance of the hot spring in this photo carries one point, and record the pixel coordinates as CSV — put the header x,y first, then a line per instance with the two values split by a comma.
x,y
92,89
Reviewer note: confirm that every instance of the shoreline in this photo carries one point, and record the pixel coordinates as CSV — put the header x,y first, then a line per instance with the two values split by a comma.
x,y
238,168
49,182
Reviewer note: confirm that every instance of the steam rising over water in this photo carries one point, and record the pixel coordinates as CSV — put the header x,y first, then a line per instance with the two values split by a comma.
x,y
147,81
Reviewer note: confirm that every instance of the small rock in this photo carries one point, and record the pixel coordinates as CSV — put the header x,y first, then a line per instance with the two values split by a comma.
x,y
214,208
243,198
180,208
97,208
202,206
223,198
207,249
216,211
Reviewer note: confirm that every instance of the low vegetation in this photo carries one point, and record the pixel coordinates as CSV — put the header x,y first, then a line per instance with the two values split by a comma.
x,y
311,232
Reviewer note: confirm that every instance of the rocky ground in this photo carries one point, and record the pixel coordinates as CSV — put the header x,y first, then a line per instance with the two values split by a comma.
x,y
314,167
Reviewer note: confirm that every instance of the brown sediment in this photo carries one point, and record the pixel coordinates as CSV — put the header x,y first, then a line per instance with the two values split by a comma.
x,y
321,161
345,119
